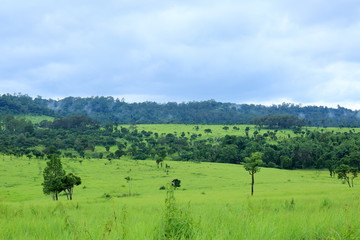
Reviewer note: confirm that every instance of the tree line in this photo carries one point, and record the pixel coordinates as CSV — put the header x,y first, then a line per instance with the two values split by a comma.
x,y
79,136
109,109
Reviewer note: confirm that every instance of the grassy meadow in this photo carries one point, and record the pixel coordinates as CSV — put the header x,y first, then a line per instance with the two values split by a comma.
x,y
218,131
36,119
213,202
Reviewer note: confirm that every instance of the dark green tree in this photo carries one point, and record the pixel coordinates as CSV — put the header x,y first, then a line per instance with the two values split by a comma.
x,y
176,183
208,130
69,181
343,172
53,174
225,128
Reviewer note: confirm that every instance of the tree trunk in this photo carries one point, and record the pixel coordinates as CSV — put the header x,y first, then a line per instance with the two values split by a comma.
x,y
348,181
67,196
252,184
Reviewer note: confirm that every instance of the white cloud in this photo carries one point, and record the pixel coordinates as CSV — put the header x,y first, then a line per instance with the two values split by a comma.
x,y
342,81
237,51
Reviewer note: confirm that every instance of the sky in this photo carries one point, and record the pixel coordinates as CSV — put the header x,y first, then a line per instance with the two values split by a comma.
x,y
268,52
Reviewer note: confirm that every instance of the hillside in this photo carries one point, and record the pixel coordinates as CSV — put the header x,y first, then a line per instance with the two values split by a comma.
x,y
108,109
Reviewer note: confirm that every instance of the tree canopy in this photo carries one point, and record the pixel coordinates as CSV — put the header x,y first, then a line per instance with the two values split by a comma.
x,y
109,109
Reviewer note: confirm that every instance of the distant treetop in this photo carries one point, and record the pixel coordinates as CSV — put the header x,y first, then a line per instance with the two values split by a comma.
x,y
109,109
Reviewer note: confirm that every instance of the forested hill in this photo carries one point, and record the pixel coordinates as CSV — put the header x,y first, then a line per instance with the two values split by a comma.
x,y
23,104
105,109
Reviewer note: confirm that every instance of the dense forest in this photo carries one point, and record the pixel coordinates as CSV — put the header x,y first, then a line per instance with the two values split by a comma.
x,y
108,109
81,125
79,137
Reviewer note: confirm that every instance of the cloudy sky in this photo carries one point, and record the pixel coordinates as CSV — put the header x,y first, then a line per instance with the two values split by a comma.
x,y
239,51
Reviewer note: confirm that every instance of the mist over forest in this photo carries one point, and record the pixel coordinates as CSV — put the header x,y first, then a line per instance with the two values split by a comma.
x,y
109,109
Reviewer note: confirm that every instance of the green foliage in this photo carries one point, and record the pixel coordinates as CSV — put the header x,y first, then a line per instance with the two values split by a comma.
x,y
23,104
176,183
110,110
177,223
53,175
55,180
347,173
279,121
68,183
11,124
75,122
252,165
310,148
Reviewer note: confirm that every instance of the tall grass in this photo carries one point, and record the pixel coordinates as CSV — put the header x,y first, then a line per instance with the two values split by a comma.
x,y
213,203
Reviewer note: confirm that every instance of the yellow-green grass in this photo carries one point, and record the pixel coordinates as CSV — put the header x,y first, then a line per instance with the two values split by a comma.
x,y
218,131
298,204
37,119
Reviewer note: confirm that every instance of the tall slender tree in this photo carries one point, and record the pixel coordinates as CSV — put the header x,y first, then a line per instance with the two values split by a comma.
x,y
252,165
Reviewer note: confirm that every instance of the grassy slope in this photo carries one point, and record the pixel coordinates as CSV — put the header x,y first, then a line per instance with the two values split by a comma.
x,y
218,131
287,204
220,205
36,119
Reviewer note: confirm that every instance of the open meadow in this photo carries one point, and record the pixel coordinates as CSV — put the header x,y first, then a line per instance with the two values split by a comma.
x,y
237,130
213,202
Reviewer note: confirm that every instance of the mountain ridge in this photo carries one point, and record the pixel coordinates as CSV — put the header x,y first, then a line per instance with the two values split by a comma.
x,y
109,109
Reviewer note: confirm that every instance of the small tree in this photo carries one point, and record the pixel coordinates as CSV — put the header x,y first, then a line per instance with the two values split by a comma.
x,y
161,156
69,181
343,172
251,165
176,183
208,130
247,129
53,174
159,162
128,180
119,153
107,148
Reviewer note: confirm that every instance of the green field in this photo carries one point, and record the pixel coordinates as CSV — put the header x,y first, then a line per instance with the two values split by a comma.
x,y
213,202
218,131
36,119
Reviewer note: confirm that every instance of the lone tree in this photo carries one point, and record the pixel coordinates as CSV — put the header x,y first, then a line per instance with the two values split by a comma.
x,y
251,165
69,181
55,180
344,172
53,174
159,162
161,156
208,130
